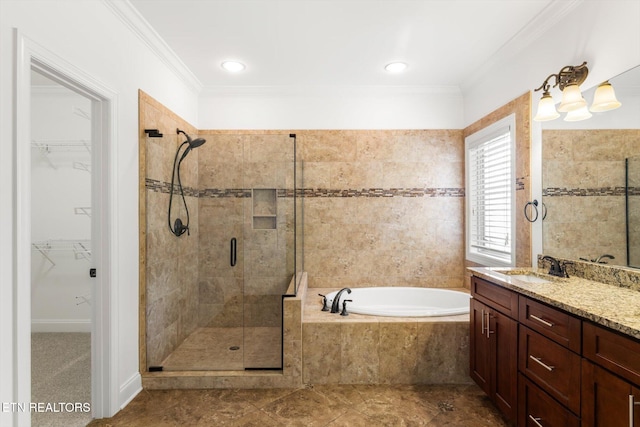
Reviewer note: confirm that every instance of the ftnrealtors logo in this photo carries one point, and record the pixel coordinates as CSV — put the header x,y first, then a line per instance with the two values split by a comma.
x,y
55,407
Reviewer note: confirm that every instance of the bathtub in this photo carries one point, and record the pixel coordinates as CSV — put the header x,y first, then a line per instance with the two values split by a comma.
x,y
404,302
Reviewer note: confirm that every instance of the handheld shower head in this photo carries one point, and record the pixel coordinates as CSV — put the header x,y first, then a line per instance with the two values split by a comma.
x,y
195,143
178,228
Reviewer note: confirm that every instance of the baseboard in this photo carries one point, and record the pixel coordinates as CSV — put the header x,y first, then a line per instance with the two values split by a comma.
x,y
130,389
60,325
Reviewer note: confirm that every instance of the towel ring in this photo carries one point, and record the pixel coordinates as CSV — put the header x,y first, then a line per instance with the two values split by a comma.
x,y
534,208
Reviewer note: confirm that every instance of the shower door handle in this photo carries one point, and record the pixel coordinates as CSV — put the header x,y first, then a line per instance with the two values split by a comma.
x,y
233,252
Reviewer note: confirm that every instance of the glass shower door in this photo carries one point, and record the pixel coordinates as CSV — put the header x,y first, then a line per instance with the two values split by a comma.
x,y
268,247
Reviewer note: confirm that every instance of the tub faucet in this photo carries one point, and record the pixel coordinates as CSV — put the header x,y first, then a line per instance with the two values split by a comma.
x,y
335,306
556,269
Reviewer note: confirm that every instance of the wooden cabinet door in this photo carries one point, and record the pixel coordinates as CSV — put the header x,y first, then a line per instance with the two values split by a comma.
x,y
479,345
606,399
503,333
493,358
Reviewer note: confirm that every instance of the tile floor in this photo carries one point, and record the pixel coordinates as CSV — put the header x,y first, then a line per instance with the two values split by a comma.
x,y
320,405
209,349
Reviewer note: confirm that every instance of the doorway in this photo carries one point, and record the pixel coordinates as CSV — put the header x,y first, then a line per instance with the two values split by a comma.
x,y
33,245
61,240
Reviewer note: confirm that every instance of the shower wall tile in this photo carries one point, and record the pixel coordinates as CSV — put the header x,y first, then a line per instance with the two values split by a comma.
x,y
169,279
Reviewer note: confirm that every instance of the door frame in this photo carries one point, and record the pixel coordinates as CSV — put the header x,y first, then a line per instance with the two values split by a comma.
x,y
104,372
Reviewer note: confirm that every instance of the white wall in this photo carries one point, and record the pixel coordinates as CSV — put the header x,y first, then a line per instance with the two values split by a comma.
x,y
606,34
90,36
392,107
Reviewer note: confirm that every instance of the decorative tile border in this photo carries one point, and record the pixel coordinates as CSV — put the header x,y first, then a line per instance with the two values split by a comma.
x,y
164,187
589,192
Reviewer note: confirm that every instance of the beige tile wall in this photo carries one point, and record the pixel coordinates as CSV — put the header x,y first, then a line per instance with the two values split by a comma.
x,y
375,225
168,282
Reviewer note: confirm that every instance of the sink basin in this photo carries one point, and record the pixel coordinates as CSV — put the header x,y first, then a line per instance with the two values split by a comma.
x,y
529,278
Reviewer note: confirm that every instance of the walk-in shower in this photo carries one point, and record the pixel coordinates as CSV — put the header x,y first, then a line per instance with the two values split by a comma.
x,y
214,296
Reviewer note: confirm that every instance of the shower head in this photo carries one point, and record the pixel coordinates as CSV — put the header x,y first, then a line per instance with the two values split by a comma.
x,y
197,142
192,143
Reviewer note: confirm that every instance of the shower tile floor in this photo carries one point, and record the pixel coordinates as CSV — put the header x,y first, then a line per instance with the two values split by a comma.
x,y
319,405
210,349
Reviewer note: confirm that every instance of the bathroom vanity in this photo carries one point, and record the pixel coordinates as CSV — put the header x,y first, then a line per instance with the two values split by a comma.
x,y
553,351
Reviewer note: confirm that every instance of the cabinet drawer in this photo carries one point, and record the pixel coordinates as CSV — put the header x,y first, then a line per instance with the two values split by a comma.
x,y
551,366
536,408
497,297
613,351
551,322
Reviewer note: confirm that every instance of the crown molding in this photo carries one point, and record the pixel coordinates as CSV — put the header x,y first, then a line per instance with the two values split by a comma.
x,y
131,17
324,90
553,13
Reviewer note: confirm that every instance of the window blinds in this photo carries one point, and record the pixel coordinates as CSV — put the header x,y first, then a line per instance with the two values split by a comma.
x,y
490,196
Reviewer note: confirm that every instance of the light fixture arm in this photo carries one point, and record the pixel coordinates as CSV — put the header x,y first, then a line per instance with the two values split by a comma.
x,y
568,75
546,86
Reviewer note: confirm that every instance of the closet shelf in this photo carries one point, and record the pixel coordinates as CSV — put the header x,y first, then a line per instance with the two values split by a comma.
x,y
81,248
82,166
82,211
83,299
47,146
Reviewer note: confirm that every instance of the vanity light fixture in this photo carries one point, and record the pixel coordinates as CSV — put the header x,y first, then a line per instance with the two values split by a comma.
x,y
569,79
233,66
395,67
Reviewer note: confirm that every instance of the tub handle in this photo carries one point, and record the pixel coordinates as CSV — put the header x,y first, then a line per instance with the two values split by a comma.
x,y
233,252
325,305
344,307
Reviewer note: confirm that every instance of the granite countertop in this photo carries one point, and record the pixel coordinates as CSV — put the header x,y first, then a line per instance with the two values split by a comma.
x,y
608,305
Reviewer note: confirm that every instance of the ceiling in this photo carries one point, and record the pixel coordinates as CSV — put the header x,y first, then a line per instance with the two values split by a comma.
x,y
345,42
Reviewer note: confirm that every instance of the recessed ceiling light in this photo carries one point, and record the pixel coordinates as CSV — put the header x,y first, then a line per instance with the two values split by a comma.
x,y
233,66
395,67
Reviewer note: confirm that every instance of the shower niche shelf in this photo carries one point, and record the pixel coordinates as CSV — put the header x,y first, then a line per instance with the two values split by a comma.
x,y
264,203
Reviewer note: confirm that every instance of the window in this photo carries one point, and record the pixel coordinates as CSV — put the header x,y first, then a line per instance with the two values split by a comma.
x,y
490,194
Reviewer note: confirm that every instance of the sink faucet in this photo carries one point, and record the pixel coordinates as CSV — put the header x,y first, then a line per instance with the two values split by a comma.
x,y
556,269
335,306
599,259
